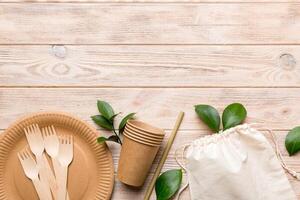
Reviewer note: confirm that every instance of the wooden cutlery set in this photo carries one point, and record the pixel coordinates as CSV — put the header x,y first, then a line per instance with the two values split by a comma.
x,y
49,184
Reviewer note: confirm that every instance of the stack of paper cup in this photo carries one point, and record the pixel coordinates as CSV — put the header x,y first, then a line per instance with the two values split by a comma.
x,y
140,145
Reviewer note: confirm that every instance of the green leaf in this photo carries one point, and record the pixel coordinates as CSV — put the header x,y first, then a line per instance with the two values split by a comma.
x,y
292,141
124,121
112,138
105,109
113,117
102,122
101,139
168,183
209,115
233,115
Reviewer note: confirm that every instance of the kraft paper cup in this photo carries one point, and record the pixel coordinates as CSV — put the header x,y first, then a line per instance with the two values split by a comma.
x,y
144,127
142,136
135,161
151,135
143,140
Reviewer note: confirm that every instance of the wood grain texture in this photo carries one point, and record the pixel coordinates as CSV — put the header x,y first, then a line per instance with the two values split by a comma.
x,y
155,59
149,1
270,108
87,23
149,66
123,192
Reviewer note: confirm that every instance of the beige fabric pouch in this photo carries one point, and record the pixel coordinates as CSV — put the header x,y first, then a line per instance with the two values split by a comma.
x,y
238,164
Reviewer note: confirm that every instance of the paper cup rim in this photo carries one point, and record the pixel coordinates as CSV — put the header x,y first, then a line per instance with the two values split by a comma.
x,y
146,138
147,127
138,140
141,141
152,135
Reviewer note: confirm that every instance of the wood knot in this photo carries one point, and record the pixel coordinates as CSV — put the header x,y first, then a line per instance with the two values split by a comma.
x,y
59,51
285,111
287,61
61,69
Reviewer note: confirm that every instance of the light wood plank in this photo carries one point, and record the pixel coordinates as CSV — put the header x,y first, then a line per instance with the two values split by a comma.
x,y
246,23
149,1
274,109
123,192
149,66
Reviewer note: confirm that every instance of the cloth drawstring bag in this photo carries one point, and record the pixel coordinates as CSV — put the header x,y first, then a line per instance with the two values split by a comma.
x,y
237,164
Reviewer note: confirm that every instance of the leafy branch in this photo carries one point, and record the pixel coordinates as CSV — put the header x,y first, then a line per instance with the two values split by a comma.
x,y
106,121
234,114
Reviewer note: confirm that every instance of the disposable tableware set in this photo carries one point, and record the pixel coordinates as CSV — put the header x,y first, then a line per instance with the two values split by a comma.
x,y
49,184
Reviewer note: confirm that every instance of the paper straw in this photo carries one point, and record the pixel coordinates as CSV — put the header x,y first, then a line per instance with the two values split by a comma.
x,y
164,156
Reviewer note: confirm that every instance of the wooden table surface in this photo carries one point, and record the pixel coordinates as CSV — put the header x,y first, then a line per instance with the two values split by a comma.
x,y
155,58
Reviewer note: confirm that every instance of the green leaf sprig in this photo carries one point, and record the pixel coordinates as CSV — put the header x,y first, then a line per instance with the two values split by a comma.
x,y
106,121
234,114
167,184
292,141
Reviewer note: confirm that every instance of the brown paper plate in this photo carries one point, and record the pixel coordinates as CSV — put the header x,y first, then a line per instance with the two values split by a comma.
x,y
91,174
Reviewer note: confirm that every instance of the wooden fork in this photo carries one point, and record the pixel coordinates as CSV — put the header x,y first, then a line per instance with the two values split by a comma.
x,y
31,170
51,141
65,157
36,144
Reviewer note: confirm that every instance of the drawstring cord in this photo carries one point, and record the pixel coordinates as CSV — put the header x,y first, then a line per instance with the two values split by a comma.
x,y
182,166
280,157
